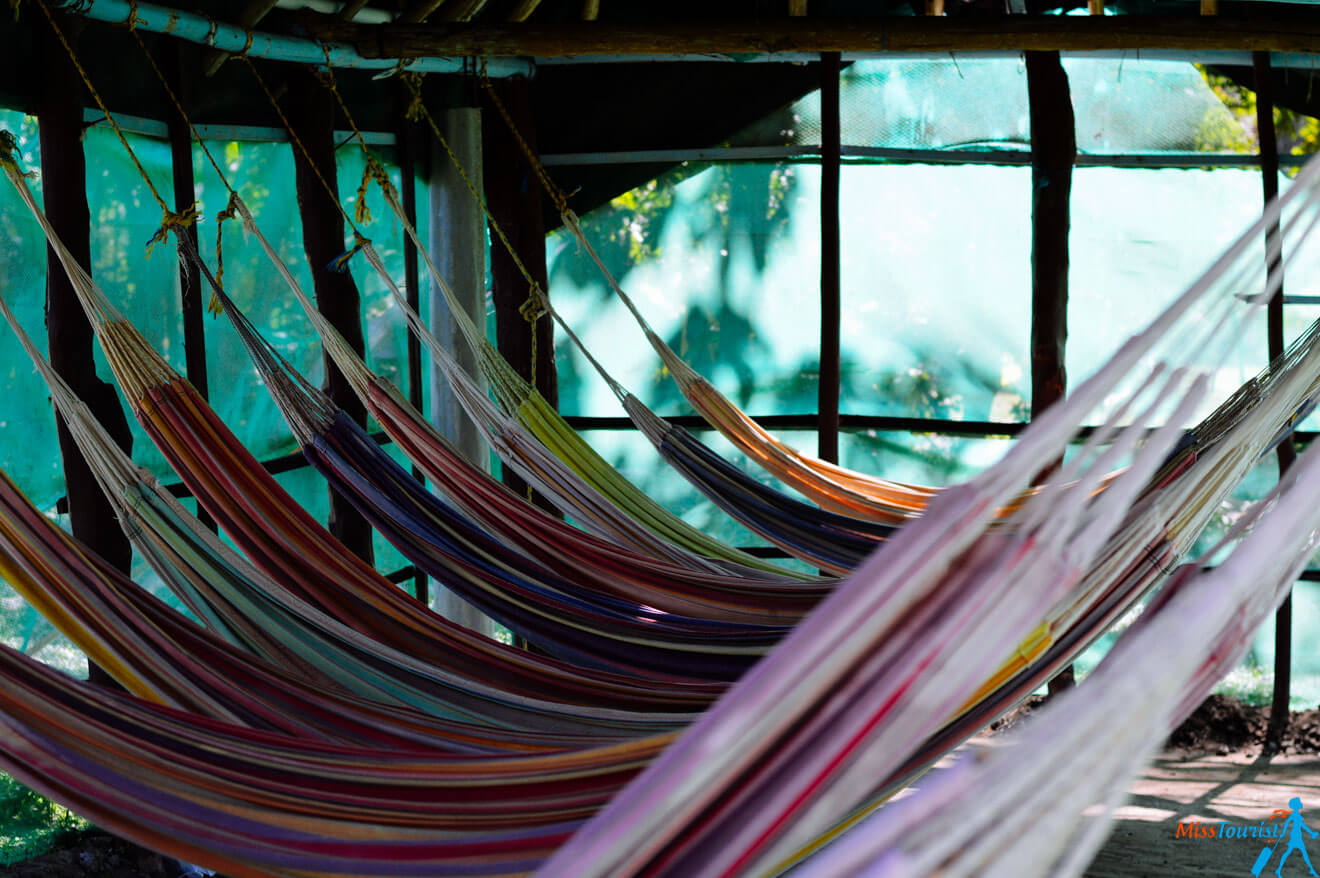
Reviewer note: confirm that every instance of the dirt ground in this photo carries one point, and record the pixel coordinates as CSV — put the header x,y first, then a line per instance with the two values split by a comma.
x,y
1236,787
1214,770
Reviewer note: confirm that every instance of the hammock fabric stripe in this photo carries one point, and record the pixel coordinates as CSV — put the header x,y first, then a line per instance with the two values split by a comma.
x,y
573,553
282,539
549,611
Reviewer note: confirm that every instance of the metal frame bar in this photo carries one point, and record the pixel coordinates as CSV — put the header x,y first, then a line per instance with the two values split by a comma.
x,y
857,155
236,40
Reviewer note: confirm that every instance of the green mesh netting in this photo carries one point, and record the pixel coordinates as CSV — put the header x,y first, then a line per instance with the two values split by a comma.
x,y
124,217
1122,105
724,261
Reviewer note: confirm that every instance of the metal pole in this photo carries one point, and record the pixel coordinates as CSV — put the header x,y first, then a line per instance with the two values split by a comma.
x,y
236,40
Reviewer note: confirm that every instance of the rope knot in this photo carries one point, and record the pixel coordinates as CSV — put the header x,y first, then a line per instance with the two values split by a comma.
x,y
415,109
215,306
535,307
132,20
8,153
372,171
173,221
339,264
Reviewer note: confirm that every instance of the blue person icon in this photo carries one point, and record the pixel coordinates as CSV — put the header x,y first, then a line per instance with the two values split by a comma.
x,y
1293,827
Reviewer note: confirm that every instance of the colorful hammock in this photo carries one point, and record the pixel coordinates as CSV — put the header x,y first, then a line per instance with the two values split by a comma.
x,y
1026,807
1097,516
290,546
893,652
208,792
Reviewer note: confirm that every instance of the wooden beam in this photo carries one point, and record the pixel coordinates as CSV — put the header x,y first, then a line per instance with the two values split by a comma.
x,y
462,10
827,399
1053,151
69,335
408,151
809,35
190,281
190,286
312,113
524,10
514,198
350,9
418,11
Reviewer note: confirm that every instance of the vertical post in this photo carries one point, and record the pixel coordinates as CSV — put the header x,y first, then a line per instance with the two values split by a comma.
x,y
407,141
1053,151
458,247
190,282
514,197
311,111
1285,452
64,191
827,437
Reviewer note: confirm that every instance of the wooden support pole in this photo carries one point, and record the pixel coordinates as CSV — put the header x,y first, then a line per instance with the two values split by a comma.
x,y
457,244
312,113
827,434
408,138
1041,33
524,10
190,281
64,193
419,11
514,198
1053,151
1286,453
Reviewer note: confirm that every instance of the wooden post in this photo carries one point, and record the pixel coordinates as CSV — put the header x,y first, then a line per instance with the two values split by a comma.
x,y
457,244
1286,453
1053,151
190,281
827,436
408,151
514,198
312,113
64,192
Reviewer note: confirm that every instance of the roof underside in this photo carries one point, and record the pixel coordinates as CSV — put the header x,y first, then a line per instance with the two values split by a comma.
x,y
602,107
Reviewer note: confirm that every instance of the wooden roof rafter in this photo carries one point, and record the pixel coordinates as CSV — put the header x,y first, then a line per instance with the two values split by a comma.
x,y
800,35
